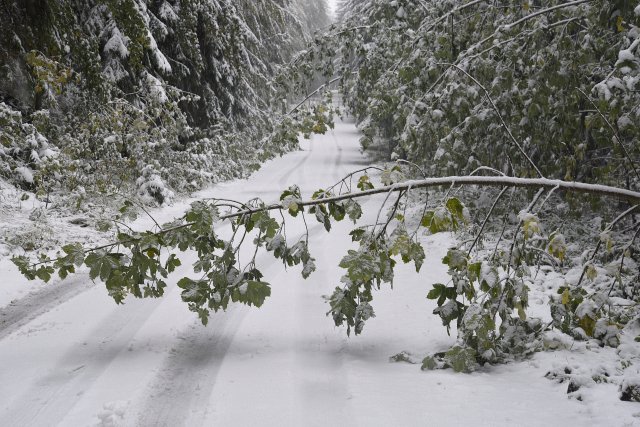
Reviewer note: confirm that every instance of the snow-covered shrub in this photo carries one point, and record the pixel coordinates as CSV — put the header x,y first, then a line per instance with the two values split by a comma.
x,y
151,187
24,151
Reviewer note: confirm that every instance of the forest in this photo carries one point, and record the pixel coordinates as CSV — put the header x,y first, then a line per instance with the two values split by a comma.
x,y
210,152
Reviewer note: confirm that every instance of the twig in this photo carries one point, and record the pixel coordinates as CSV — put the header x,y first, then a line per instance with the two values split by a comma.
x,y
615,134
595,251
484,223
624,250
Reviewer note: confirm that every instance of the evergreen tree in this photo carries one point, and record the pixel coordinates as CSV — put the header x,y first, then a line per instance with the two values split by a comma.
x,y
146,94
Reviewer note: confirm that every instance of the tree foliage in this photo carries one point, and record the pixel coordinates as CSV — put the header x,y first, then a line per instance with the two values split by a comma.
x,y
525,89
456,85
137,96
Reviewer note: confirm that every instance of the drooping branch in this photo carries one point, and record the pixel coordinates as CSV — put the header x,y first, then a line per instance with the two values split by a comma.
x,y
545,11
309,96
486,181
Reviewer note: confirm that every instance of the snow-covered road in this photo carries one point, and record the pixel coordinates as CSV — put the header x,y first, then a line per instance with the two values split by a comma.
x,y
72,357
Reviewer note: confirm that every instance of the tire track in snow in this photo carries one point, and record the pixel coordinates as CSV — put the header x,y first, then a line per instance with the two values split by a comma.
x,y
283,181
22,311
186,374
184,390
182,387
338,159
321,354
184,384
318,356
52,397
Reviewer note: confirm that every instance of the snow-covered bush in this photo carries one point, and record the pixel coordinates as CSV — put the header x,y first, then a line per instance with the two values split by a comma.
x,y
24,152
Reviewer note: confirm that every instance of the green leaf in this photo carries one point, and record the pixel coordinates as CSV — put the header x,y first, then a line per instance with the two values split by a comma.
x,y
343,308
448,312
337,211
557,246
278,245
473,271
357,234
429,363
290,200
128,211
117,286
456,208
455,259
254,293
101,264
416,253
308,267
203,315
172,263
194,291
293,209
438,221
267,225
103,225
364,183
323,217
24,265
361,266
65,270
530,225
293,191
400,243
426,219
437,290
75,253
320,194
44,273
202,216
353,209
461,359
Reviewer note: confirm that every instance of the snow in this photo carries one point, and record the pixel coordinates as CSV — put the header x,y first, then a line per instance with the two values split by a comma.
x,y
155,88
25,174
161,61
75,358
118,44
167,13
625,55
333,5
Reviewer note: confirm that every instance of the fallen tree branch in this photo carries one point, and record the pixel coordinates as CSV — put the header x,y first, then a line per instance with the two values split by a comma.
x,y
309,96
486,181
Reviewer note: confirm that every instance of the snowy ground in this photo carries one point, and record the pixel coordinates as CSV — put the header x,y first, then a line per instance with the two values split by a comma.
x,y
70,356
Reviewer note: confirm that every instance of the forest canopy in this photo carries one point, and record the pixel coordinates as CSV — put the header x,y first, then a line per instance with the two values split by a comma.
x,y
140,96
